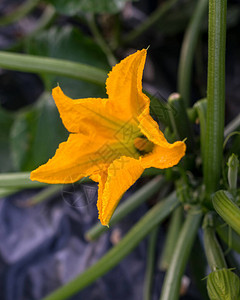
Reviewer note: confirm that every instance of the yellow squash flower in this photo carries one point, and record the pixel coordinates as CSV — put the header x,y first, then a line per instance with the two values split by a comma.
x,y
111,140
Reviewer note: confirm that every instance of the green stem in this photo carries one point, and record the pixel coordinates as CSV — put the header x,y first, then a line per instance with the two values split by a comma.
x,y
215,94
201,108
227,209
19,13
156,215
4,192
171,285
172,235
179,120
44,195
192,114
100,40
232,126
18,180
188,50
135,200
228,235
46,18
151,256
39,64
229,136
233,166
22,180
151,20
213,250
198,267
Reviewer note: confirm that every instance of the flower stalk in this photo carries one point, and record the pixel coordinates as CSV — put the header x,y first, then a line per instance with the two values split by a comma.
x,y
171,240
171,285
213,250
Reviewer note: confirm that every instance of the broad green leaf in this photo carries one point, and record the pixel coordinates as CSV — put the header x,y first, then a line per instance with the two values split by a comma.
x,y
69,43
36,134
72,7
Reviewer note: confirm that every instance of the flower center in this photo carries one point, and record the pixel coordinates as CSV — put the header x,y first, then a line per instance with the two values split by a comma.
x,y
143,145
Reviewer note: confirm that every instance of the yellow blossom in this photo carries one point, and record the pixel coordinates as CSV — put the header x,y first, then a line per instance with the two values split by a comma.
x,y
111,140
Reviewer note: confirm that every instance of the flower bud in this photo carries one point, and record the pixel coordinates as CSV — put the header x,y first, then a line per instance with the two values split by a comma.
x,y
223,285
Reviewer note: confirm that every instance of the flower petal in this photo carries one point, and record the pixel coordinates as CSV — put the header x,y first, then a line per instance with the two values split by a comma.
x,y
74,159
124,86
86,115
121,174
150,128
163,157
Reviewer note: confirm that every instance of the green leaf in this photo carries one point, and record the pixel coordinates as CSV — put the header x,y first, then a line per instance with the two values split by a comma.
x,y
72,7
36,134
71,44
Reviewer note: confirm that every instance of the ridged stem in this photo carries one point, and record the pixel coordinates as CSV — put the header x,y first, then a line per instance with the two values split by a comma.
x,y
227,209
171,285
215,94
213,250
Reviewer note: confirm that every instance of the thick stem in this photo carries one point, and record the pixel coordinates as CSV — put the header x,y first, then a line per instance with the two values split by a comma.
x,y
39,64
215,94
171,240
183,247
213,250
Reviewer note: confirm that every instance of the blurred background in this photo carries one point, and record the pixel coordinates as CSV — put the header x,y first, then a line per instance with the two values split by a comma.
x,y
43,246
